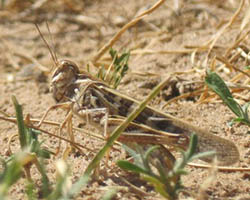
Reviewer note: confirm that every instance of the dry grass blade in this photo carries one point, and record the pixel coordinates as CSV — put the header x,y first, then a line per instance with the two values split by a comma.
x,y
236,44
246,19
123,29
149,51
161,42
185,95
13,120
208,182
4,113
229,65
214,39
220,168
23,54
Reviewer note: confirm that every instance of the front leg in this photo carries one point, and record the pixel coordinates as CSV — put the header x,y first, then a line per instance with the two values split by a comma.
x,y
65,105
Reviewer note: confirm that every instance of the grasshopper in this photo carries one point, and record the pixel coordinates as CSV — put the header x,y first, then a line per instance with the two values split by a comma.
x,y
105,108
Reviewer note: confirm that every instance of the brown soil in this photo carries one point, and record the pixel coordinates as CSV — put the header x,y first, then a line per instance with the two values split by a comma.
x,y
79,29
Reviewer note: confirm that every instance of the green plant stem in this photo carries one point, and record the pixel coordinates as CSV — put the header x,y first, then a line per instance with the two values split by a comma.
x,y
20,123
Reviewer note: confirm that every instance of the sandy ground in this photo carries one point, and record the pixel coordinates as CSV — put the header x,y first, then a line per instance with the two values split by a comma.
x,y
79,29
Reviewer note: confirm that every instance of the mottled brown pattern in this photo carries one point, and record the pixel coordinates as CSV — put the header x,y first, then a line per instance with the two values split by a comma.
x,y
97,98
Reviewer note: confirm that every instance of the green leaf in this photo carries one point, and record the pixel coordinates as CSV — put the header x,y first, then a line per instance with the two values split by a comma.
x,y
11,173
192,146
146,157
241,120
45,189
120,67
112,53
245,110
150,150
215,82
158,185
203,154
181,172
22,130
247,67
101,73
125,165
136,156
30,191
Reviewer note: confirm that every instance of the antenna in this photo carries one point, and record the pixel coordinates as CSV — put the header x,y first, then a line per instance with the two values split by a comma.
x,y
53,55
52,41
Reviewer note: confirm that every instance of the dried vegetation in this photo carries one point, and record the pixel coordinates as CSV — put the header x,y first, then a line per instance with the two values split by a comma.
x,y
186,37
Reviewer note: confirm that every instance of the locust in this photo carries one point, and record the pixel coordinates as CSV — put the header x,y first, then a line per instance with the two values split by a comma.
x,y
104,108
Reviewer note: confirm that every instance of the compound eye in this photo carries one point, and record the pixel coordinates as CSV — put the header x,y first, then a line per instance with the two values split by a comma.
x,y
70,64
